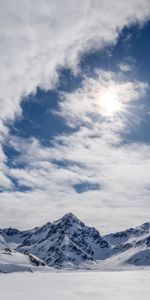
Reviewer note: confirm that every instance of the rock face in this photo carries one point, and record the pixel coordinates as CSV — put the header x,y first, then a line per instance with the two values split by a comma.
x,y
68,242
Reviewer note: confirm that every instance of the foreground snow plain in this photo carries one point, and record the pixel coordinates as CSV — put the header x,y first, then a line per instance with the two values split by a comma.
x,y
106,285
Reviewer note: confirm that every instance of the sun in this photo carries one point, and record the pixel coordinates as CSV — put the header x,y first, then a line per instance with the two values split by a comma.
x,y
110,103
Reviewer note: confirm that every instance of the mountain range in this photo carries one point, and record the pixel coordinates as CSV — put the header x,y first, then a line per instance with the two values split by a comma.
x,y
69,243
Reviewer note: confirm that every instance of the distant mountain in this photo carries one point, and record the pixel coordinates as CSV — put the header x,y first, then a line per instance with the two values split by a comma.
x,y
68,242
128,235
130,247
13,237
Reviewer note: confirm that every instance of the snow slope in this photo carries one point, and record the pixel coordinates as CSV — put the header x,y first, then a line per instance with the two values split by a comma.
x,y
13,261
126,285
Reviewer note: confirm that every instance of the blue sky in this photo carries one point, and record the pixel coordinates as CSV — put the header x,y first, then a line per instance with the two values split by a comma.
x,y
132,48
61,147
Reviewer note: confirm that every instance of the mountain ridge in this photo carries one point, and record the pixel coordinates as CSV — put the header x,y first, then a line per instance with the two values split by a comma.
x,y
69,243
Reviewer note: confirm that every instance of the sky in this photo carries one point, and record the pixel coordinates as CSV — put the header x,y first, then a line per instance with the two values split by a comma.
x,y
75,112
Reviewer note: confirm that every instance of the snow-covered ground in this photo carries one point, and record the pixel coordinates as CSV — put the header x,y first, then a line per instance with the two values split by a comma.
x,y
106,285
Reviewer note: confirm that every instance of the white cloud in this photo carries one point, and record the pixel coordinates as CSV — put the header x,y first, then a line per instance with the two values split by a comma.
x,y
5,182
124,67
92,154
86,104
121,171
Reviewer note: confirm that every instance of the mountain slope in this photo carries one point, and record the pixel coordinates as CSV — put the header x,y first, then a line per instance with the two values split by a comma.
x,y
3,244
13,261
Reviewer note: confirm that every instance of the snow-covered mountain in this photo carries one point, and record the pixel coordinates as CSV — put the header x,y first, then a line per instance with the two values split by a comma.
x,y
128,235
130,247
68,242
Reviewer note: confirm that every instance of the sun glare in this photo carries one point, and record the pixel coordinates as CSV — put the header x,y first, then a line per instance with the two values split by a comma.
x,y
110,103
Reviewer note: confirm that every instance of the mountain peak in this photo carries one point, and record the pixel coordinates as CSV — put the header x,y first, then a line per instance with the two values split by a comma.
x,y
145,226
69,218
